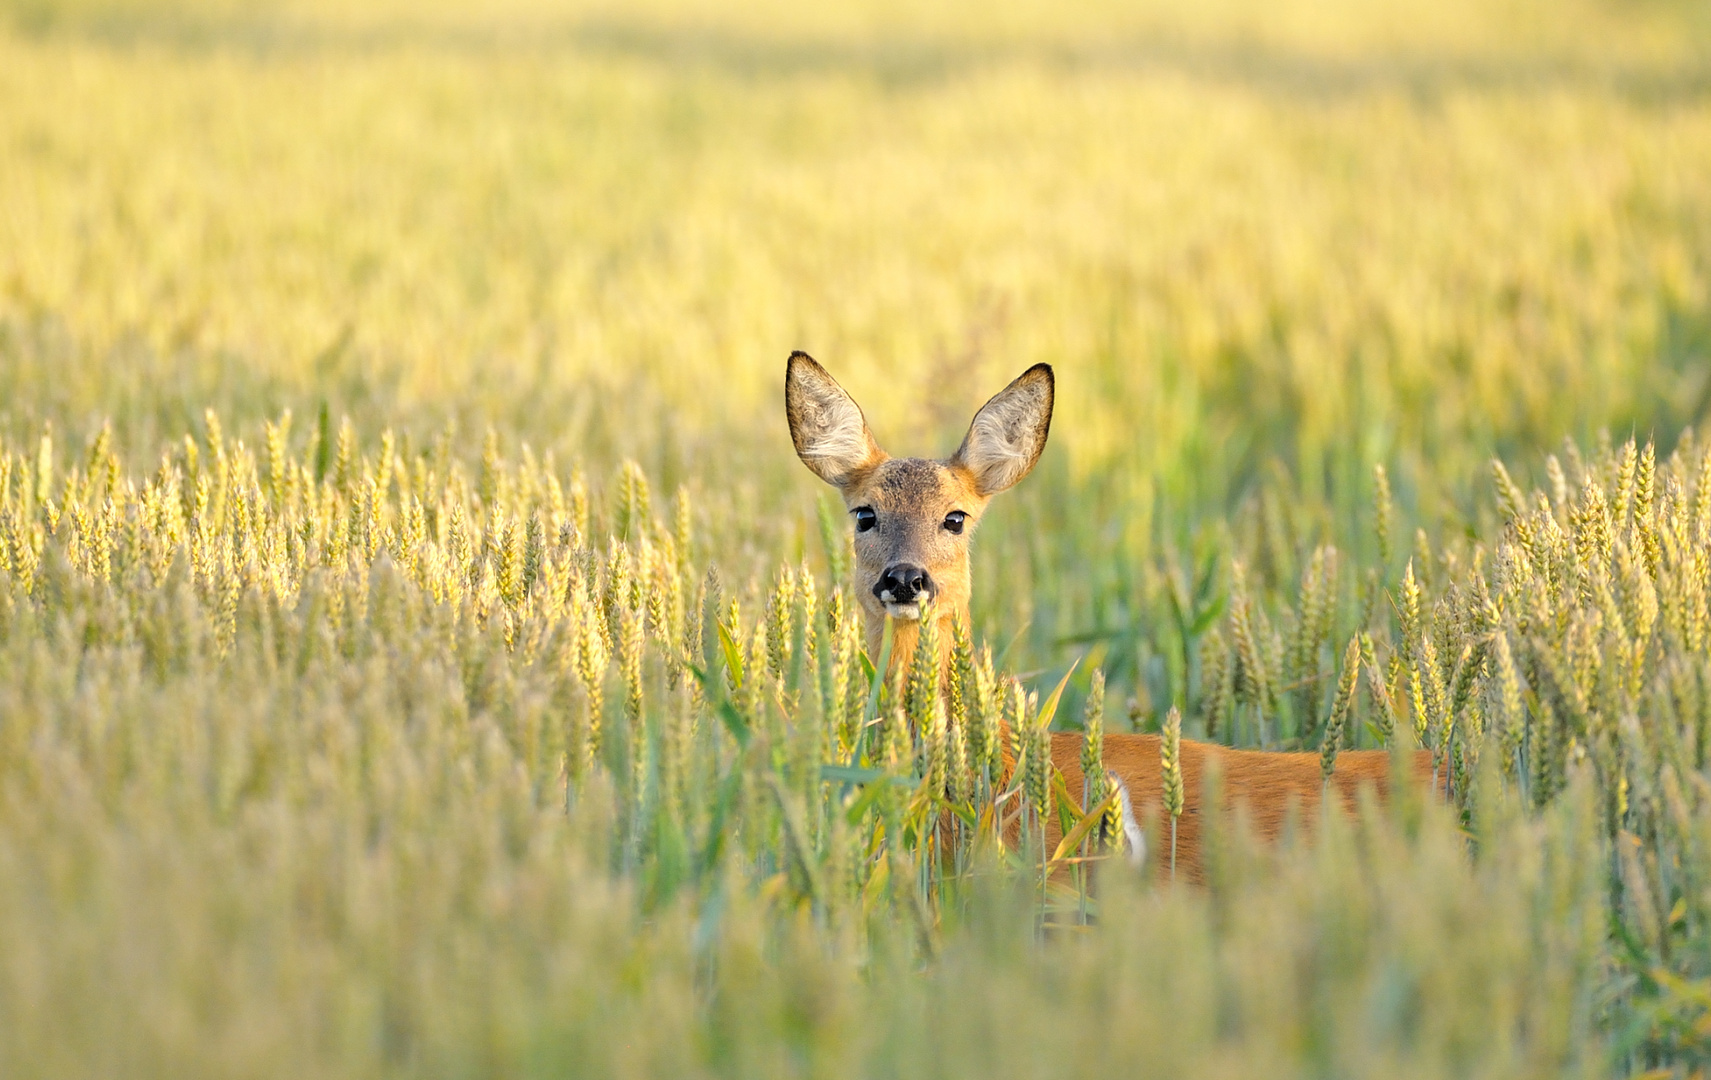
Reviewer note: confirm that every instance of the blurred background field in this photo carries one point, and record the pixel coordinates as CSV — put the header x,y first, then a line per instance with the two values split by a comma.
x,y
1261,243
1266,247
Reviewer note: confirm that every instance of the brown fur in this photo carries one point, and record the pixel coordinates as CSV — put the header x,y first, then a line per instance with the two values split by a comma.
x,y
912,496
1269,787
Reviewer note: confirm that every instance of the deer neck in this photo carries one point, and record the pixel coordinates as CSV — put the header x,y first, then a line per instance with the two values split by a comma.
x,y
906,635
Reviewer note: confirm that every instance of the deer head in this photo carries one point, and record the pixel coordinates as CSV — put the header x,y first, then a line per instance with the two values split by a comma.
x,y
914,518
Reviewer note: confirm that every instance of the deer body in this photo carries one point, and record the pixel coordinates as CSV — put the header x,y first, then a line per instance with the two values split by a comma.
x,y
1268,787
913,519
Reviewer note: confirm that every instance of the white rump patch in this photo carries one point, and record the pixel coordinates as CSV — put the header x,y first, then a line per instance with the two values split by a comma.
x,y
1135,840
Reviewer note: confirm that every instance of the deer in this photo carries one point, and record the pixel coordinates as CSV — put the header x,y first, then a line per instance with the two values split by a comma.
x,y
914,520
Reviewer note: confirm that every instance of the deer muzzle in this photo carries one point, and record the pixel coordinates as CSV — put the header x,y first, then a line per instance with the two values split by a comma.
x,y
903,588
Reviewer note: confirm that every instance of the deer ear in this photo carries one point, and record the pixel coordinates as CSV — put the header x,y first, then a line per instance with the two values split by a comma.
x,y
826,424
1009,432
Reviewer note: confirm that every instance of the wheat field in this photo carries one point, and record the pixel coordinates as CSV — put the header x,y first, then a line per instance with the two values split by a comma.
x,y
422,654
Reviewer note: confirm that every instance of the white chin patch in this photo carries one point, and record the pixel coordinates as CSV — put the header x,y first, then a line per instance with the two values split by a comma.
x,y
903,611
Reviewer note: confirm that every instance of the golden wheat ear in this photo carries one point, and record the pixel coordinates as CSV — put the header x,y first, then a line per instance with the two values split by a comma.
x,y
1009,432
826,424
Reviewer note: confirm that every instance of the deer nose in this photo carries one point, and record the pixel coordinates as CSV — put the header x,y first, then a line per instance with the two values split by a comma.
x,y
902,583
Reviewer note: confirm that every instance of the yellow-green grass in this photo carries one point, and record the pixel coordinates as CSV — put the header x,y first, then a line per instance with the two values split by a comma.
x,y
411,770
298,780
1316,240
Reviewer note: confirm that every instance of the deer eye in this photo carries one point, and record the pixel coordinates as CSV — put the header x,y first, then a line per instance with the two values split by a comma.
x,y
954,520
865,518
